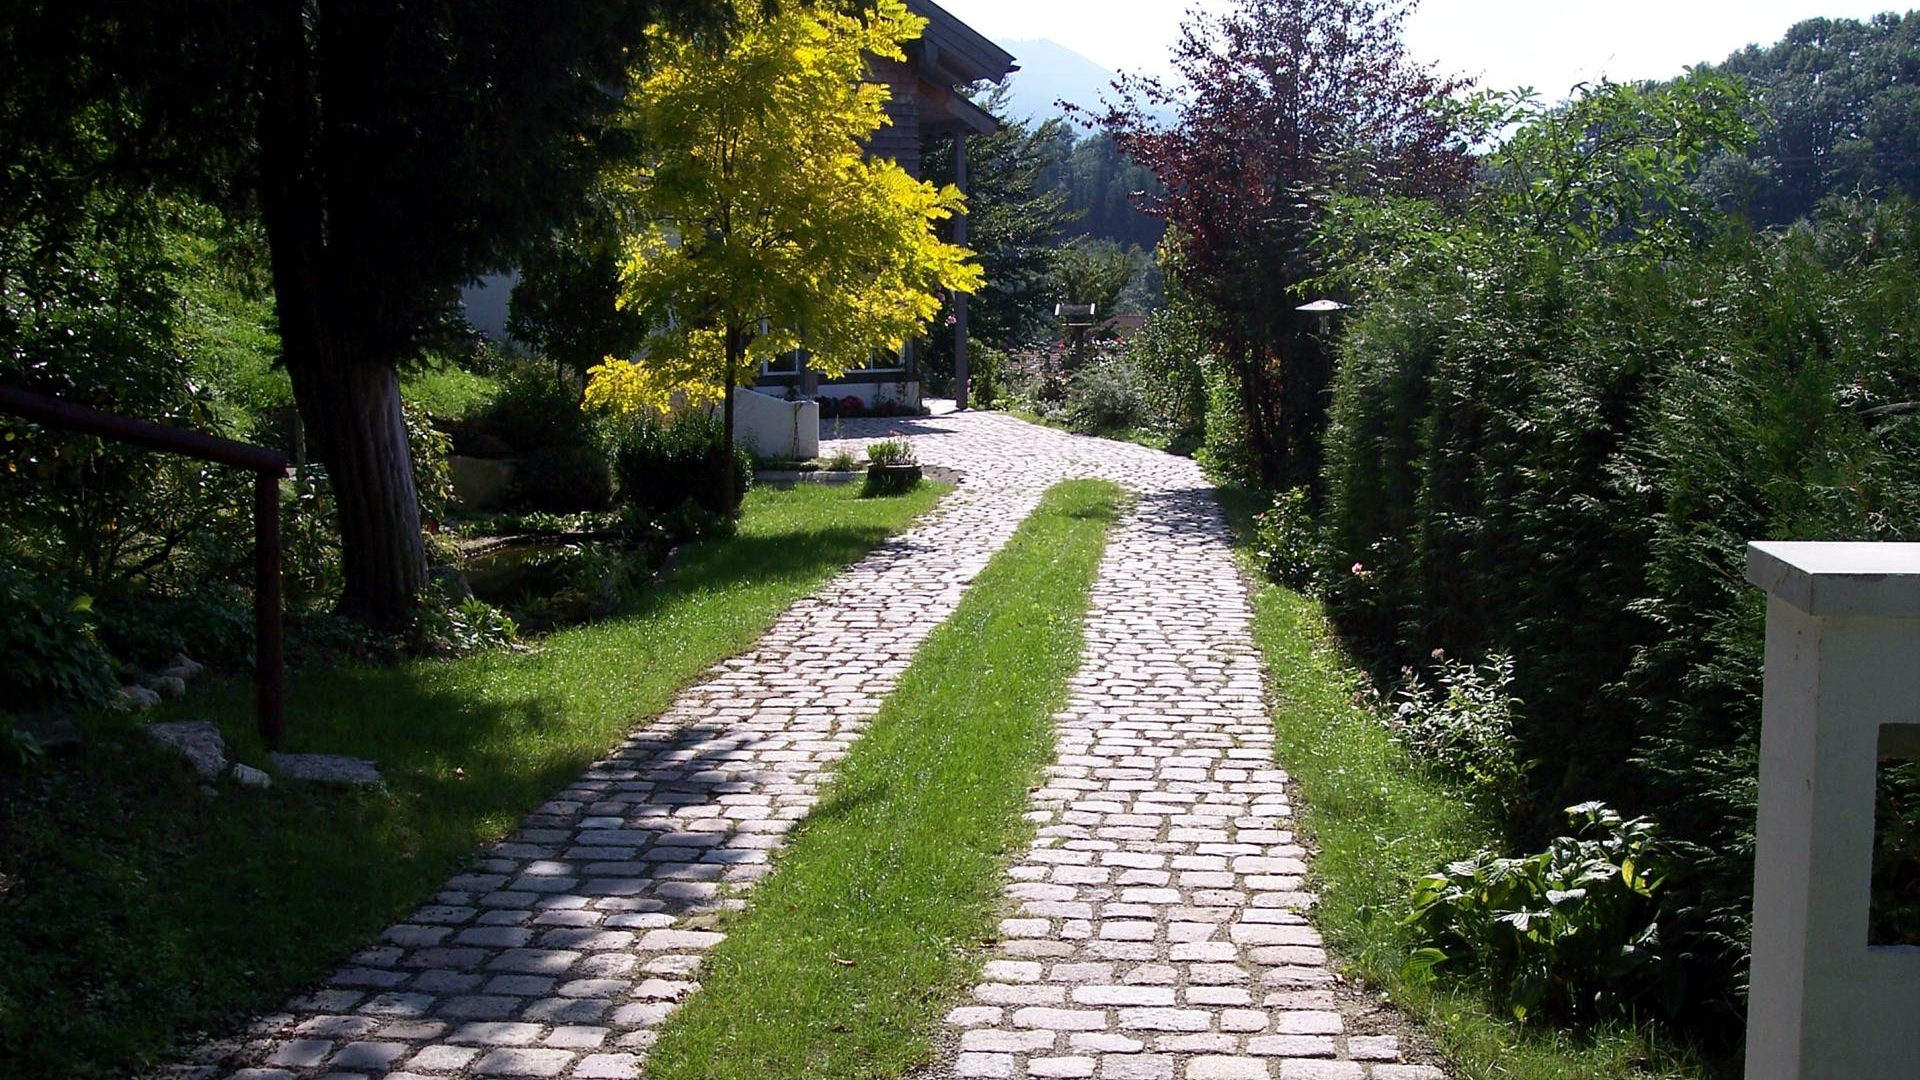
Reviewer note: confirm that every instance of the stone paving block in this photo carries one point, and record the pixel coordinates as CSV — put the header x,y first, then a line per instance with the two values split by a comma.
x,y
1227,1068
301,1053
984,1066
608,1067
521,1061
1137,1067
442,1058
1322,1070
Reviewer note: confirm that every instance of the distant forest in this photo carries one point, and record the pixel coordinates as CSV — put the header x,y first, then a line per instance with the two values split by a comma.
x,y
1104,188
1839,113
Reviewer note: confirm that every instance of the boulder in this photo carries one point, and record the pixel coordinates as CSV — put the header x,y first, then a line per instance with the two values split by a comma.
x,y
249,777
182,668
329,769
196,740
171,686
134,699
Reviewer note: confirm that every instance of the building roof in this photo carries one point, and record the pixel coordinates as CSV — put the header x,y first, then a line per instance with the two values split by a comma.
x,y
954,53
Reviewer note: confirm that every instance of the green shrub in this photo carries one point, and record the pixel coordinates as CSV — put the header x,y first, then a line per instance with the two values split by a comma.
x,y
311,574
47,638
890,452
1570,932
533,410
986,375
450,627
562,480
1563,460
1172,357
661,466
1464,726
213,625
432,476
1287,542
1104,396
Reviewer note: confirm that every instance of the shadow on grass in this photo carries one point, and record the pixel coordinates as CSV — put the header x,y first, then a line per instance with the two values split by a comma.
x,y
140,914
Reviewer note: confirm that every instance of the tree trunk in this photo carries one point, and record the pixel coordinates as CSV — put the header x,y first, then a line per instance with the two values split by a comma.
x,y
370,466
348,395
731,489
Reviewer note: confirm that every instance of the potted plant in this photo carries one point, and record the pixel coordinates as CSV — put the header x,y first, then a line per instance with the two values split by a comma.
x,y
891,467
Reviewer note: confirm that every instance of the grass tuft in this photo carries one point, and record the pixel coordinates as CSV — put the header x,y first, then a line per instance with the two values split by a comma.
x,y
875,917
137,913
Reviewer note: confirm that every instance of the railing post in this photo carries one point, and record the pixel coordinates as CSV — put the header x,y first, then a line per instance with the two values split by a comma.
x,y
269,650
1842,692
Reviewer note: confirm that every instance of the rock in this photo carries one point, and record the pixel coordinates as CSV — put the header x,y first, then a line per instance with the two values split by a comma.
x,y
249,777
183,666
329,769
134,699
196,740
171,686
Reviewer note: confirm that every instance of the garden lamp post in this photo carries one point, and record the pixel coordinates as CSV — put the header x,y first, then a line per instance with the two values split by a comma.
x,y
1324,309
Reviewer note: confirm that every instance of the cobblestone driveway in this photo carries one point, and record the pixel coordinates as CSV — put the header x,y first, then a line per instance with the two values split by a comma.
x,y
1154,928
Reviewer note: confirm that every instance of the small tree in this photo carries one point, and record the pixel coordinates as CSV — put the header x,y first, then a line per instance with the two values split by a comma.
x,y
762,227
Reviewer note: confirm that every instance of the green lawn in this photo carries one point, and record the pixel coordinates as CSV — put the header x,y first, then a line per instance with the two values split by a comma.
x,y
137,913
1378,821
873,920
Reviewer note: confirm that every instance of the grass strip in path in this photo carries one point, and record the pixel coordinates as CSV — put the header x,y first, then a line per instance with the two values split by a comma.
x,y
1378,821
136,912
872,921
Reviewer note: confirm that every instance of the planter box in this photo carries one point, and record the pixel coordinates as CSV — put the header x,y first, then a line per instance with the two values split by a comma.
x,y
892,479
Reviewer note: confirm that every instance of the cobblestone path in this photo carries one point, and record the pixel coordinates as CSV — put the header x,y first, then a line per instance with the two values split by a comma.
x,y
1154,929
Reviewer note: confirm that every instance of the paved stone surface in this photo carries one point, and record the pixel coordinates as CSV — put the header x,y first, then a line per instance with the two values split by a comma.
x,y
1156,927
1153,931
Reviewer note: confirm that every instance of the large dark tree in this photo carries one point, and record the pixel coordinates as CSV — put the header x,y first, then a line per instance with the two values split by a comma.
x,y
1290,103
393,151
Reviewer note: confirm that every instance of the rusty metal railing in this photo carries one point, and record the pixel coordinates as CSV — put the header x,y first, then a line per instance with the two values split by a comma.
x,y
267,466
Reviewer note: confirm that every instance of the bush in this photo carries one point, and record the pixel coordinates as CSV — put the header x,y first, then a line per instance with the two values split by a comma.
x,y
456,627
890,452
662,466
47,640
432,476
1572,932
1104,396
1464,726
1035,378
534,410
1287,542
1173,357
212,625
562,480
986,375
1562,461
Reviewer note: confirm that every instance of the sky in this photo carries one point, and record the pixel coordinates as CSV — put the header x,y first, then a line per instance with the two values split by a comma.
x,y
1547,44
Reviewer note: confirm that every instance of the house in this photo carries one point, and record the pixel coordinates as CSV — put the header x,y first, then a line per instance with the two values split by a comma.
x,y
926,104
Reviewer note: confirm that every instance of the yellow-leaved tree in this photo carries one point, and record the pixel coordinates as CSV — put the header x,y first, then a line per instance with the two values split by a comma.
x,y
759,225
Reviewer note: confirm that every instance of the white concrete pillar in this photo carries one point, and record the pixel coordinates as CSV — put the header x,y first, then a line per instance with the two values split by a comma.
x,y
1842,691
